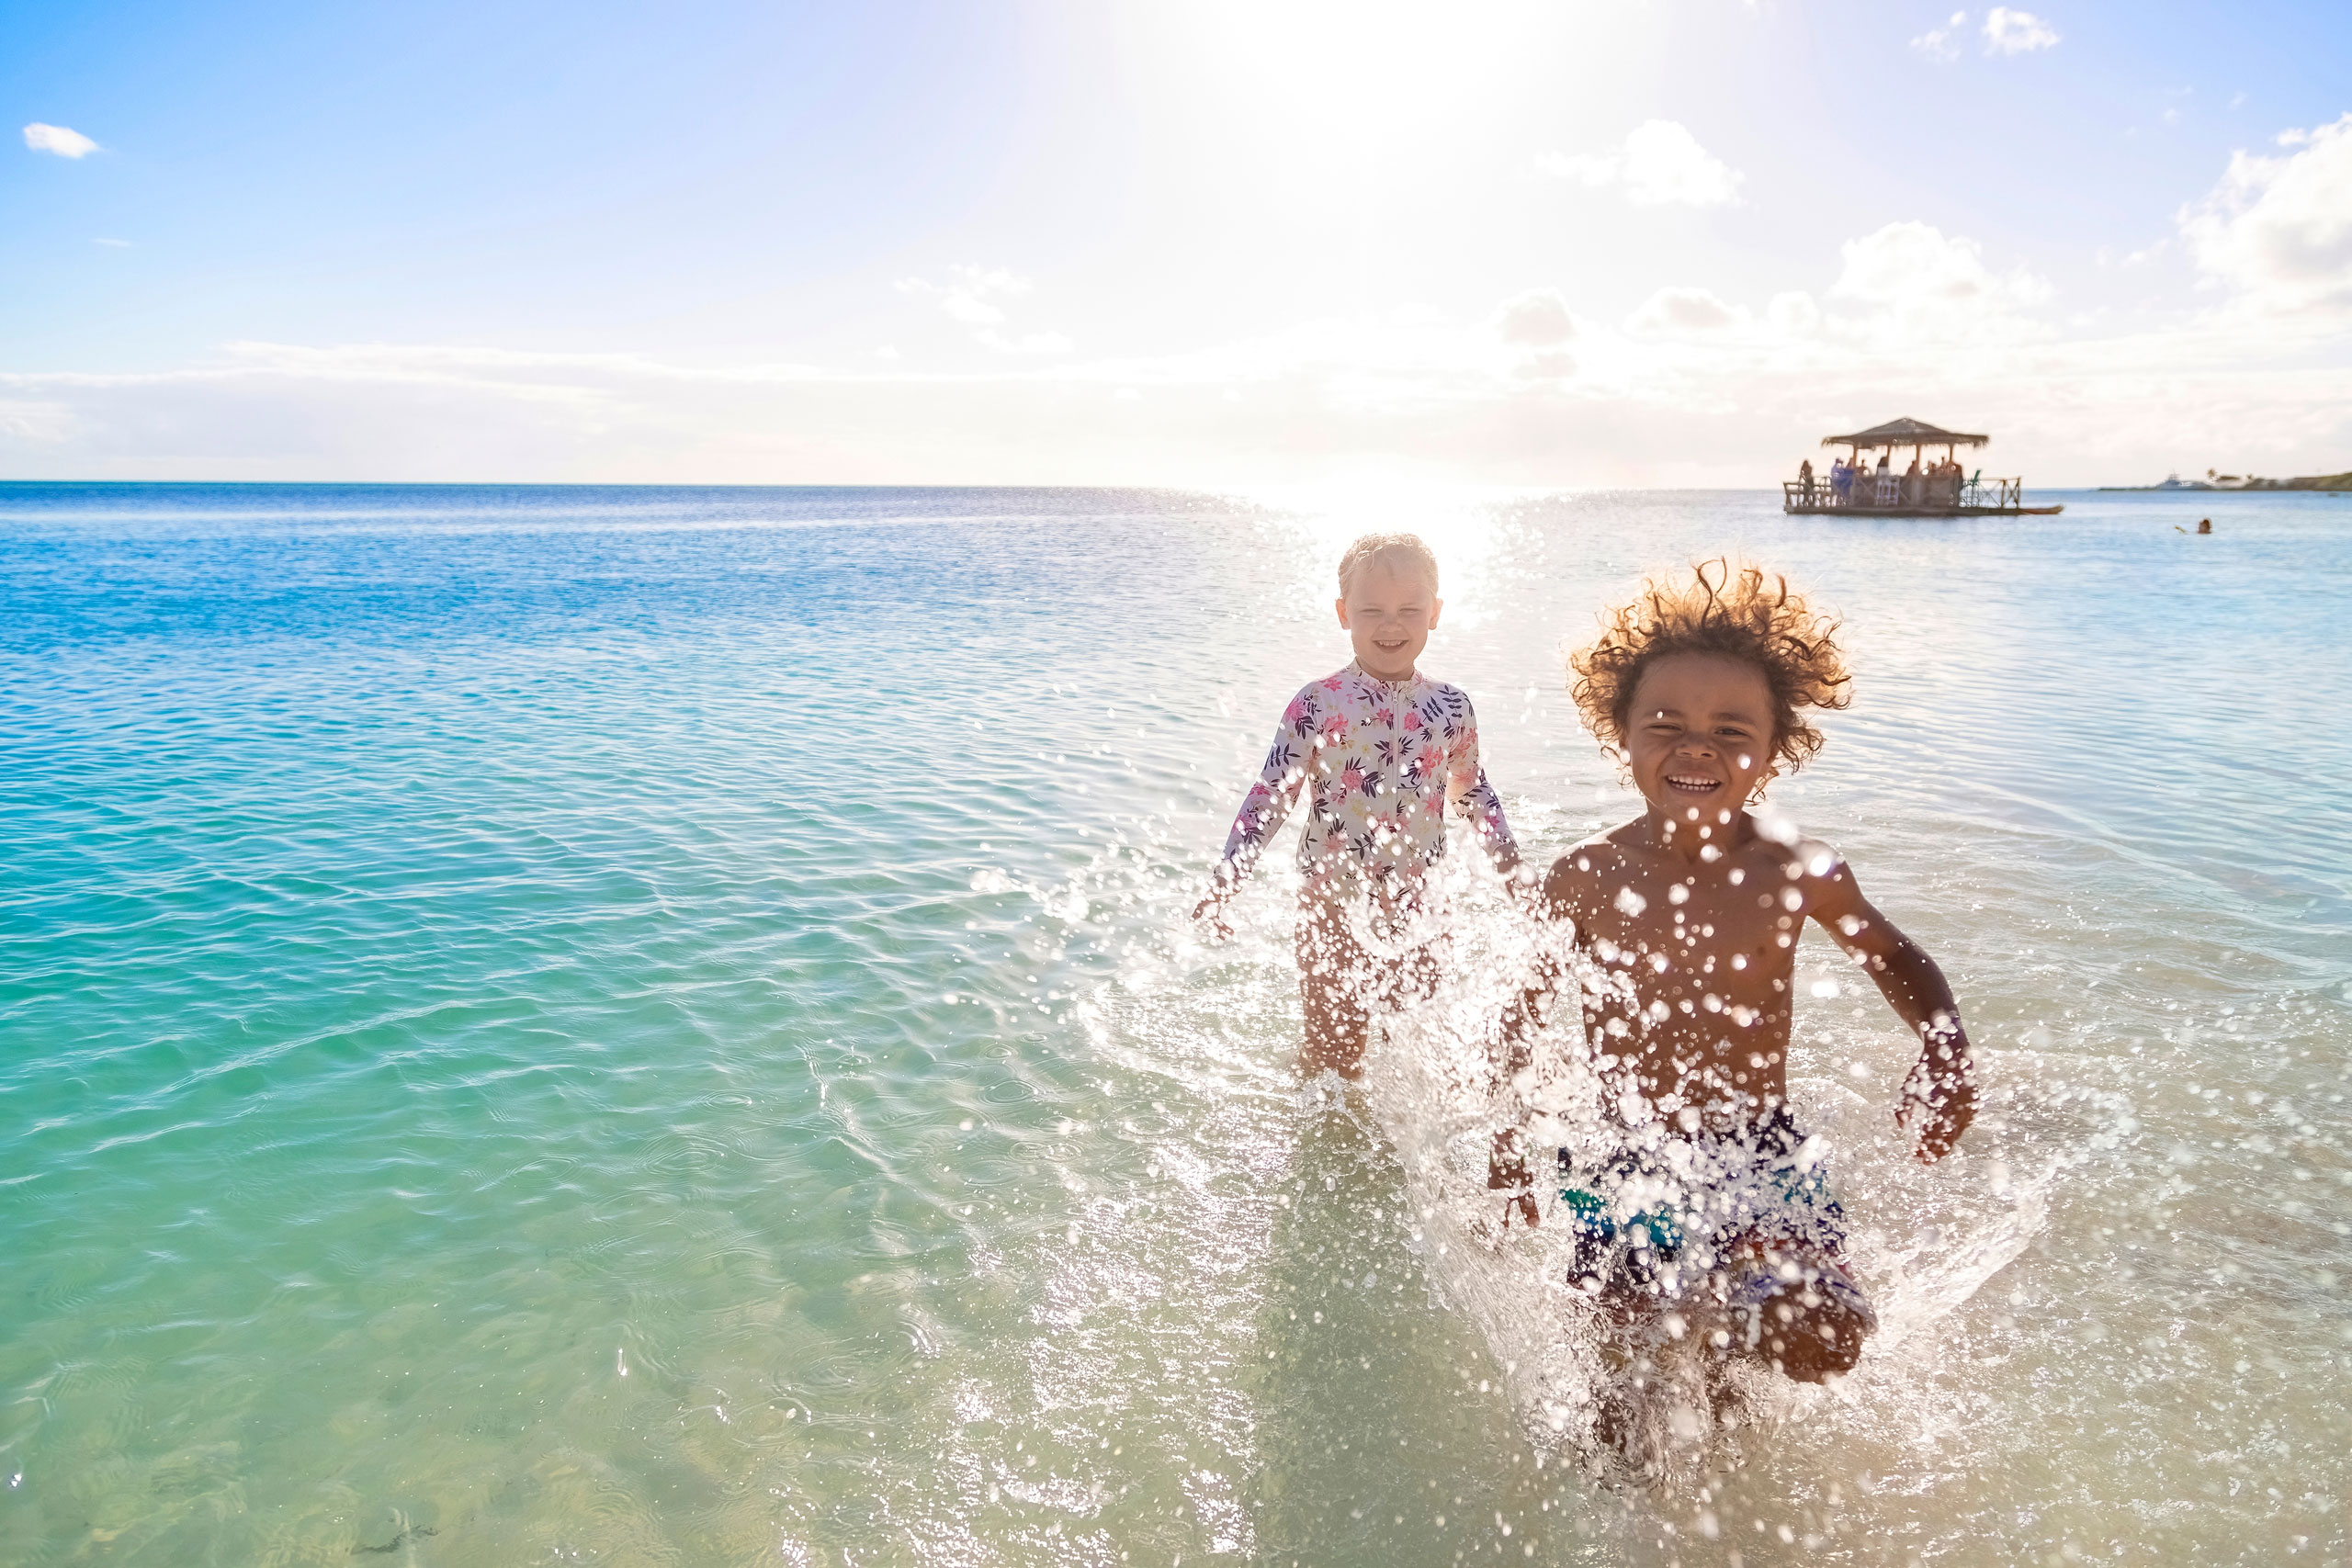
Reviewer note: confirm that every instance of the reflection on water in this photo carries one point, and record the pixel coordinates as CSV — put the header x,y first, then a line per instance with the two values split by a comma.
x,y
639,1026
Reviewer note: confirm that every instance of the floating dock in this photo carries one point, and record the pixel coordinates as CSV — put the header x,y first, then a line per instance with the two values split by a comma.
x,y
1944,489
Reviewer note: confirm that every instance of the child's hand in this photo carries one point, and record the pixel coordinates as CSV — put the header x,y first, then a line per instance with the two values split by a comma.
x,y
1937,1122
1507,1172
1524,883
1212,909
1939,1101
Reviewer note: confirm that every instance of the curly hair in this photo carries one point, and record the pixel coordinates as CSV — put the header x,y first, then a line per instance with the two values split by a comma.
x,y
1734,611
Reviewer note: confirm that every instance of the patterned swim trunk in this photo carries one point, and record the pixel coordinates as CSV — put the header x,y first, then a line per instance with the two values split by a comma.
x,y
1664,1217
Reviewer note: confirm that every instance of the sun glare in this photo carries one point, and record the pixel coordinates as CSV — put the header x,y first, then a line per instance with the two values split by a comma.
x,y
1459,522
1364,74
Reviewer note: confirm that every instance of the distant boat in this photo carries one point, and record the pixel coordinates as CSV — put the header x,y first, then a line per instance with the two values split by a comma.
x,y
1940,490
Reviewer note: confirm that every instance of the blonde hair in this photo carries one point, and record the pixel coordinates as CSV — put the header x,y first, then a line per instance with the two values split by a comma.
x,y
1397,552
1737,612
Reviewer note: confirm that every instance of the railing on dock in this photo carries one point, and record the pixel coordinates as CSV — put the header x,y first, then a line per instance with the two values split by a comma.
x,y
1886,492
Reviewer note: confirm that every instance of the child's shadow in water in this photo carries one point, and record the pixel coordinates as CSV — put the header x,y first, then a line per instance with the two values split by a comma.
x,y
1374,1422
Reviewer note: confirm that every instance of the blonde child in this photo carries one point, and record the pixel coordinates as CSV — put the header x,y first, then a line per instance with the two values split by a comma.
x,y
1382,752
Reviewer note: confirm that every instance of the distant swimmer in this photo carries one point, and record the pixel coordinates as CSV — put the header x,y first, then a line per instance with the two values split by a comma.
x,y
1383,752
1699,1206
2205,525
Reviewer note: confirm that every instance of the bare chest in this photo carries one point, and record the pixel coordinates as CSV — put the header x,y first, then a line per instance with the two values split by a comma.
x,y
1697,964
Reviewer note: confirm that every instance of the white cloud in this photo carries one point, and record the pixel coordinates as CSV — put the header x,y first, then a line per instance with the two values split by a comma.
x,y
2278,231
1659,164
2017,32
1025,343
1418,399
1677,311
1942,44
1691,387
1549,365
1794,314
971,297
1537,319
57,138
28,425
1933,286
966,296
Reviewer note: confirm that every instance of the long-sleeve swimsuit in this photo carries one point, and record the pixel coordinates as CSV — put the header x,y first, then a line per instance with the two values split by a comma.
x,y
1380,762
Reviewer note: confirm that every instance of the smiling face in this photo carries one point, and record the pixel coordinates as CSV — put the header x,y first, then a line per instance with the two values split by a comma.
x,y
1388,616
1699,736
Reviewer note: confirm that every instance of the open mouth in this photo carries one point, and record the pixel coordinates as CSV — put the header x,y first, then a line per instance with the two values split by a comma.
x,y
1691,784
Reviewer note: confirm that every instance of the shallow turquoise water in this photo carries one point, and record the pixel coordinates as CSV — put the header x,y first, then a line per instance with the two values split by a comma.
x,y
654,1026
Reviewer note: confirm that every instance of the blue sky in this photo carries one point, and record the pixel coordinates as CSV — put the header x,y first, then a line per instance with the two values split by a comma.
x,y
1216,243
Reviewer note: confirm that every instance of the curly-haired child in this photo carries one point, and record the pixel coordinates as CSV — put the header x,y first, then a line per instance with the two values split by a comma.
x,y
1382,752
1702,1205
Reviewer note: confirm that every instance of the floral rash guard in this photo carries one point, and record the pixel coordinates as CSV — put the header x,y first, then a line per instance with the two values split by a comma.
x,y
1381,761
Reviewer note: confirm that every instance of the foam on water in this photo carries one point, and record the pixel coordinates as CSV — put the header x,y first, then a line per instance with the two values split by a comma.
x,y
659,1026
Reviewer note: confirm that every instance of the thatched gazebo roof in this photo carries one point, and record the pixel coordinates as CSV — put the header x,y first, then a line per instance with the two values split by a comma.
x,y
1905,433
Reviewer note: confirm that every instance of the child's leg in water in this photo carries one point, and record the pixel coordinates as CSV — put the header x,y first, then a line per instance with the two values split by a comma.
x,y
1339,982
1661,1354
1330,995
1792,1306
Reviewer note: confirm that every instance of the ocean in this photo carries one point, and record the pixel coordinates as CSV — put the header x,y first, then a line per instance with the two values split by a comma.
x,y
658,1026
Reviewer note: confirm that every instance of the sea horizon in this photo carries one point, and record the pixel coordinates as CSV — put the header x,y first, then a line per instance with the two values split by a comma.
x,y
1473,490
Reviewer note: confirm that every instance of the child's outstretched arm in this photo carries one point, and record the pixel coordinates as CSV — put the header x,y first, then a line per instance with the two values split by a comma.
x,y
1262,810
1940,1094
